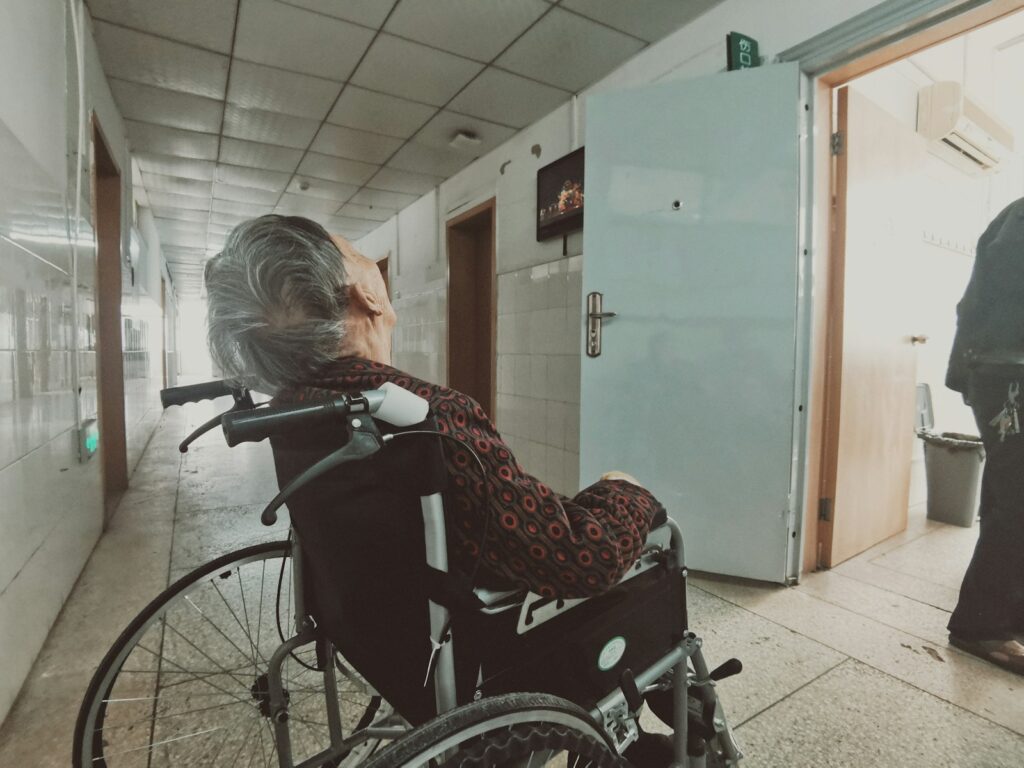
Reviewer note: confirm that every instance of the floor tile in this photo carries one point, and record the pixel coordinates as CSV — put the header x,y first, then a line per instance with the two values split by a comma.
x,y
960,679
857,716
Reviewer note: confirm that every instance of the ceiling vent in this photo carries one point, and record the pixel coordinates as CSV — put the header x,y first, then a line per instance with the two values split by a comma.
x,y
960,131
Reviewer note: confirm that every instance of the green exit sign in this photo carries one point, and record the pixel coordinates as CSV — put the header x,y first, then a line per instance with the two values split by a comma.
x,y
741,51
88,439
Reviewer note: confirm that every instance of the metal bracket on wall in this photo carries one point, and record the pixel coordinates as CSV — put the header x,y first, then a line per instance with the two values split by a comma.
x,y
595,319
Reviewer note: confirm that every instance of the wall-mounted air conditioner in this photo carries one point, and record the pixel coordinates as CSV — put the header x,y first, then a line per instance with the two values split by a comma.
x,y
960,131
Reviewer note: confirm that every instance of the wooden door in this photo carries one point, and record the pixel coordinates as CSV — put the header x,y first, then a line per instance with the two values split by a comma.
x,y
472,310
109,348
872,364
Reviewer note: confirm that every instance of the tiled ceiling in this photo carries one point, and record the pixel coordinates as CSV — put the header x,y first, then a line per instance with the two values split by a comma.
x,y
339,110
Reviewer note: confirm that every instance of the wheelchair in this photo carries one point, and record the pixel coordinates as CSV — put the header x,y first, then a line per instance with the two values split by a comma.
x,y
352,643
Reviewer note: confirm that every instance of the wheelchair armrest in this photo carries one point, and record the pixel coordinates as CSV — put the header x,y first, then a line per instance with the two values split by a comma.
x,y
498,600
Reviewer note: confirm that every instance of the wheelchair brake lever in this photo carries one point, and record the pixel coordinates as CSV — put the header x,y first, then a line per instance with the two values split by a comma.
x,y
366,440
243,402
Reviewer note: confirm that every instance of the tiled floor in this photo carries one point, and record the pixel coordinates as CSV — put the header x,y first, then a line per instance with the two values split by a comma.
x,y
851,668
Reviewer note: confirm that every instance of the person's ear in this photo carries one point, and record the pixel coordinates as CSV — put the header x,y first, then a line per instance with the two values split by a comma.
x,y
367,300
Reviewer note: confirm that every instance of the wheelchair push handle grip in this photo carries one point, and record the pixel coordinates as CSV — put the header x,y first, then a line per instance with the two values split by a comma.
x,y
193,393
254,426
391,403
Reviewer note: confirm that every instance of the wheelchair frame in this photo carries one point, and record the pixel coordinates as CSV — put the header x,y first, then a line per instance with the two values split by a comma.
x,y
613,713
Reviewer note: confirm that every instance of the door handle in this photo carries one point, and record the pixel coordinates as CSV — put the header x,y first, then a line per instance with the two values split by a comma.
x,y
595,319
919,339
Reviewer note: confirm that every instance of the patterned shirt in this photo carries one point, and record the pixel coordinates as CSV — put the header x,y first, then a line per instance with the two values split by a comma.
x,y
551,544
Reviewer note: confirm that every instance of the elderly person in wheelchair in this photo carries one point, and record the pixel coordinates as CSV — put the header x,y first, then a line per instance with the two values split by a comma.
x,y
458,596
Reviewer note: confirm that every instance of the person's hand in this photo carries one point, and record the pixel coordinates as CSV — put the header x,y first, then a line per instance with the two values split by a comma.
x,y
616,475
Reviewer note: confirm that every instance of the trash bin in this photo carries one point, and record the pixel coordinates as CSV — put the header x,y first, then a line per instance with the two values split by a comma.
x,y
952,464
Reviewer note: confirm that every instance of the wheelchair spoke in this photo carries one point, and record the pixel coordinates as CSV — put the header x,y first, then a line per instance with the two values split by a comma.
x,y
214,624
248,636
159,743
133,723
192,688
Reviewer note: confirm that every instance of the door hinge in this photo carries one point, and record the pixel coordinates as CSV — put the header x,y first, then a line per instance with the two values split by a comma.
x,y
837,142
825,510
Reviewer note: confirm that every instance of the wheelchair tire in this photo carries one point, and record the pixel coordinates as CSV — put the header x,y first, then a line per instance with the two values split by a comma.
x,y
184,683
507,730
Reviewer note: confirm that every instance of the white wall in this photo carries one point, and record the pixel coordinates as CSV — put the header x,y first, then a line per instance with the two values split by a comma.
x,y
538,400
52,509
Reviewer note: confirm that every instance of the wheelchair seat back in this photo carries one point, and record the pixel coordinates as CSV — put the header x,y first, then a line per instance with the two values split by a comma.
x,y
361,531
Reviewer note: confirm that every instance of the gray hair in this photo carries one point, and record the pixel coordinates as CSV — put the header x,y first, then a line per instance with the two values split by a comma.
x,y
277,302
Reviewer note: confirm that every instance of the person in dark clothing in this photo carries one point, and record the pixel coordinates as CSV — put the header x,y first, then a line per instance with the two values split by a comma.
x,y
987,367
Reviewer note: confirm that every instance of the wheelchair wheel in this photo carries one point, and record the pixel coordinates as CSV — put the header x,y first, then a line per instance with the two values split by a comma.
x,y
518,729
185,683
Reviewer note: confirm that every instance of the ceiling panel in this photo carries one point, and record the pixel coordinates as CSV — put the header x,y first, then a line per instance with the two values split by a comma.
x,y
174,166
568,51
150,104
425,74
370,13
206,23
329,190
419,158
301,205
336,168
161,140
394,180
256,86
269,127
184,214
176,184
151,60
189,238
161,200
383,199
372,213
379,112
466,27
222,191
292,38
649,19
342,224
502,97
440,131
242,209
228,219
256,155
355,145
275,181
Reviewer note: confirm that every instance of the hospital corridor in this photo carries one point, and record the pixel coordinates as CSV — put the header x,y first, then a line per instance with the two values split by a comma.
x,y
394,383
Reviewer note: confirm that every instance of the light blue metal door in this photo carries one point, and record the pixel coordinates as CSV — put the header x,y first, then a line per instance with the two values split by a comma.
x,y
691,235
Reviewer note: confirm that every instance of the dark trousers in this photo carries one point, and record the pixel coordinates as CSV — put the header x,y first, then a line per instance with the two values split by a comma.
x,y
991,605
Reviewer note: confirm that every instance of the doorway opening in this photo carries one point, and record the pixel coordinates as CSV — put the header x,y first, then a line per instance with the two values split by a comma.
x,y
472,310
905,217
106,181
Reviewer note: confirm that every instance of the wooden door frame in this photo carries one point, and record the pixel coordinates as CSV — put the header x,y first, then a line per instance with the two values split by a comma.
x,y
830,177
106,187
487,207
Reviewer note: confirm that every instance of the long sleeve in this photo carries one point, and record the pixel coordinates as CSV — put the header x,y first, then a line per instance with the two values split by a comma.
x,y
558,547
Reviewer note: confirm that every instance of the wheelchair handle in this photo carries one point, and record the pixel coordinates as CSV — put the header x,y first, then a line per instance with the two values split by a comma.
x,y
390,403
193,393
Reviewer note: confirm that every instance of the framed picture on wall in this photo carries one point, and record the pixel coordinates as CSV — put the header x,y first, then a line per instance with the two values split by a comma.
x,y
560,196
